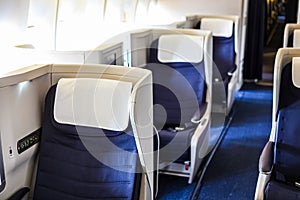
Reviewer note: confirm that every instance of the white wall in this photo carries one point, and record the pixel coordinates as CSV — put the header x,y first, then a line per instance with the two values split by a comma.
x,y
41,24
177,9
13,20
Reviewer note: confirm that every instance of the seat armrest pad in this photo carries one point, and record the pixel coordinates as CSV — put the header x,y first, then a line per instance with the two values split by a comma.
x,y
19,194
231,72
266,158
199,114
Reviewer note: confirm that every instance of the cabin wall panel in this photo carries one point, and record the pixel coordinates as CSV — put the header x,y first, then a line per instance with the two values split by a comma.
x,y
21,108
13,20
41,24
177,9
140,41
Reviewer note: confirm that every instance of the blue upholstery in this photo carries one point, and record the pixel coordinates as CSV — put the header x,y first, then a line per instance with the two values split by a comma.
x,y
288,92
163,94
287,149
290,40
224,55
66,169
286,156
278,191
173,80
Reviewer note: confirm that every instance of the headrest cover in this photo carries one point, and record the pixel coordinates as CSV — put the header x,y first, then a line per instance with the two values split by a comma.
x,y
218,27
296,39
296,71
180,48
98,103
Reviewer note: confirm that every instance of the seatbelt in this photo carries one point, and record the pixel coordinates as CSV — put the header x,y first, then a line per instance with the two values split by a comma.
x,y
193,123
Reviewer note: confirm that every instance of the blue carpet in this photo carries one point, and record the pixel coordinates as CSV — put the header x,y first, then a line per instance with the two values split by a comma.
x,y
232,174
233,171
174,187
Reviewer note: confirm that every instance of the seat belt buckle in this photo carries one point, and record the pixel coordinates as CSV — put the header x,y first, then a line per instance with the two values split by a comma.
x,y
179,129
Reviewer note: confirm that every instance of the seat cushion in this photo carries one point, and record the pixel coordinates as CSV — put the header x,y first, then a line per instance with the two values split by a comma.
x,y
81,163
278,191
174,146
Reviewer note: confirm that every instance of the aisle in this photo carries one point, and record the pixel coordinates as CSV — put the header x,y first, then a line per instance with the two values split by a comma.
x,y
232,174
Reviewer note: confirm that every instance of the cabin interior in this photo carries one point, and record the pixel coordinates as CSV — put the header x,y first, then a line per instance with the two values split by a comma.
x,y
149,99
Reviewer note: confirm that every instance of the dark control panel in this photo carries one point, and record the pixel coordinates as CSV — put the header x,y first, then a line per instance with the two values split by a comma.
x,y
28,141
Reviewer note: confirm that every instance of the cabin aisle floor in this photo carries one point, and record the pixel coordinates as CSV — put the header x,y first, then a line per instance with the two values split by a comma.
x,y
233,171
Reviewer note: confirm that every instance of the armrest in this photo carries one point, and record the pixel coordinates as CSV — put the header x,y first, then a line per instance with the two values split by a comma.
x,y
230,73
196,119
266,158
19,194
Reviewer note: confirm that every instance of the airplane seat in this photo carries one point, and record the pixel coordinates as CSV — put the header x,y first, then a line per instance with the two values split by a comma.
x,y
177,64
176,111
286,177
87,148
296,38
279,163
286,174
289,35
223,46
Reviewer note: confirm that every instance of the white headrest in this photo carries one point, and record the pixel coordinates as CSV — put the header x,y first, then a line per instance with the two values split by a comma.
x,y
180,48
98,103
218,27
296,71
296,39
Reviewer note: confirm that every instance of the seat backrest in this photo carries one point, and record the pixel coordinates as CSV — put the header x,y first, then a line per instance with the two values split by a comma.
x,y
177,64
288,37
87,148
287,149
223,43
296,40
289,85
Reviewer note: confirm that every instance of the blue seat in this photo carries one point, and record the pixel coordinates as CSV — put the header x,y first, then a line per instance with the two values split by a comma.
x,y
293,39
289,38
224,53
78,159
284,183
279,176
186,79
178,67
226,74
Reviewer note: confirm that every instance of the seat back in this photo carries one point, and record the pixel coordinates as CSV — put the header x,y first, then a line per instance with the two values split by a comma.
x,y
279,162
87,148
288,37
177,64
289,91
287,138
223,44
296,40
287,149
